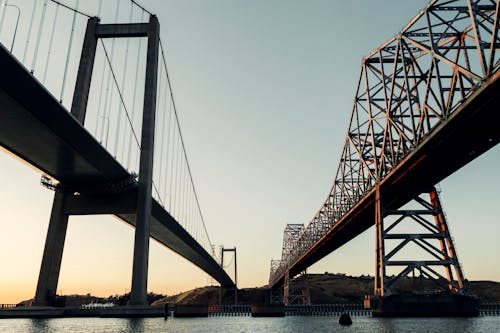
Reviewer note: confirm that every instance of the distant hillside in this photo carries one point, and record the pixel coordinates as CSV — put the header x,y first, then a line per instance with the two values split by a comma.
x,y
486,291
77,300
211,295
323,288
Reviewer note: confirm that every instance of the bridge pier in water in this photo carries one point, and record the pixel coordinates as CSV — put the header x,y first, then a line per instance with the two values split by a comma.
x,y
431,292
96,198
296,291
138,294
52,254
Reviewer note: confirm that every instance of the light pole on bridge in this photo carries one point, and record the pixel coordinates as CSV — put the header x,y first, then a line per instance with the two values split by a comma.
x,y
17,22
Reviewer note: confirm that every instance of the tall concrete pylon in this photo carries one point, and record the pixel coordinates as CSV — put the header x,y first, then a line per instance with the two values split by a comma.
x,y
142,198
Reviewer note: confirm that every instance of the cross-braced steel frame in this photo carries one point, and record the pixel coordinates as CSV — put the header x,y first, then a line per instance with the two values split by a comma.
x,y
296,291
437,260
407,87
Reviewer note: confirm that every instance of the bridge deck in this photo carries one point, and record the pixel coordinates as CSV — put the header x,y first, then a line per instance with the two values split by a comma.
x,y
36,128
469,132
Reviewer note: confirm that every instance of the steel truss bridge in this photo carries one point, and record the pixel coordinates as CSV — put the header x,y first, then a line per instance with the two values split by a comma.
x,y
426,104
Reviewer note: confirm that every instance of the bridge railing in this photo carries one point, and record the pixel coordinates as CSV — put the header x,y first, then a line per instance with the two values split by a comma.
x,y
407,87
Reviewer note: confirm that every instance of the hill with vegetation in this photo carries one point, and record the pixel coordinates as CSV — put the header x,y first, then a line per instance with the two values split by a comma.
x,y
324,289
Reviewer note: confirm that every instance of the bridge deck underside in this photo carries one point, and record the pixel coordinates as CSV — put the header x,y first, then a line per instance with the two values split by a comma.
x,y
37,129
472,129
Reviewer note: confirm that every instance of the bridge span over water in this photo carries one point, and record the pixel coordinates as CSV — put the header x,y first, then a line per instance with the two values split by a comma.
x,y
90,175
426,104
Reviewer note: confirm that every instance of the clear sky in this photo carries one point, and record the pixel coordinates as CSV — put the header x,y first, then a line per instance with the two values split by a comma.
x,y
264,91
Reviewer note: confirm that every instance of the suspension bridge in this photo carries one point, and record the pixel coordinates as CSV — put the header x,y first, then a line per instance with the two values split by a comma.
x,y
113,144
426,104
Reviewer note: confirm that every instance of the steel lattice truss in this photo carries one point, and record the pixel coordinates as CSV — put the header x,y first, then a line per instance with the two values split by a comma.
x,y
290,236
407,86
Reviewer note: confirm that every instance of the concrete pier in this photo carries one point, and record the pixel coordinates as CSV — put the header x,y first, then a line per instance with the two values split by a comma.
x,y
425,305
190,310
52,254
268,310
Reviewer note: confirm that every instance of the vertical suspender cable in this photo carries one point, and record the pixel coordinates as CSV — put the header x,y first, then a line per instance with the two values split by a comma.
x,y
171,199
181,192
99,8
106,112
165,110
157,131
51,41
186,203
123,88
134,97
162,131
177,174
68,54
120,96
184,150
185,197
39,35
168,149
191,211
179,179
176,193
186,188
99,103
29,31
188,198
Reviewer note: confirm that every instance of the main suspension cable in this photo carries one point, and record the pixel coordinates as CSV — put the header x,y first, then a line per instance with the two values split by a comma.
x,y
70,8
141,7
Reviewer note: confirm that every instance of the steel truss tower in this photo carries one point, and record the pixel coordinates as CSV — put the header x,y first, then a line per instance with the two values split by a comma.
x,y
420,223
296,291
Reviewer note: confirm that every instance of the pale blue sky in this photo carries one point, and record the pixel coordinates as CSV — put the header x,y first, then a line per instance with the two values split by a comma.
x,y
264,91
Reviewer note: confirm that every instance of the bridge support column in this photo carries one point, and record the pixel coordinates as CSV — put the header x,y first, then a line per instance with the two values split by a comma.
x,y
379,283
276,295
296,292
422,224
56,234
138,293
52,254
286,287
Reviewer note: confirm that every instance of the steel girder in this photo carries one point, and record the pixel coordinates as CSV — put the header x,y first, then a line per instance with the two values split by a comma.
x,y
406,88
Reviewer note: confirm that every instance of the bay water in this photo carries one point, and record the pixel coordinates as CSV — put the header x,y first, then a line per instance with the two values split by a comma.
x,y
484,324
